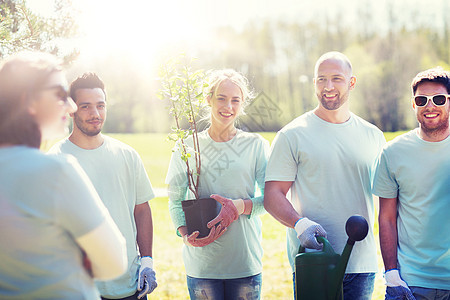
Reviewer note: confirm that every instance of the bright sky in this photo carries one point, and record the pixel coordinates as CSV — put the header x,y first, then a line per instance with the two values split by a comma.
x,y
141,28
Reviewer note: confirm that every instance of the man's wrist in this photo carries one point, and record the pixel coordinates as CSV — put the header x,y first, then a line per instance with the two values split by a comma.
x,y
302,224
392,277
295,224
391,269
147,262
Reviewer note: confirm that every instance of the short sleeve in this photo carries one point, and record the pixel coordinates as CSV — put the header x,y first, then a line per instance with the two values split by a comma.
x,y
385,184
178,184
282,164
261,164
176,174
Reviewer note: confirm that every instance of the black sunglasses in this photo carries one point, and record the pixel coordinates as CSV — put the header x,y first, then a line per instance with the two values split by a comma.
x,y
438,100
62,92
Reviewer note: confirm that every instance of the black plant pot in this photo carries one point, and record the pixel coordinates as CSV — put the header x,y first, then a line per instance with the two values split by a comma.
x,y
198,213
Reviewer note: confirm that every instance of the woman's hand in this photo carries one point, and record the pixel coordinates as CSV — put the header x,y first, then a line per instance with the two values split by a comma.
x,y
227,215
214,234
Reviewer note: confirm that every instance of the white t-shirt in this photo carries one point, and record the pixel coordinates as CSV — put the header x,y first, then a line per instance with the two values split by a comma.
x,y
46,202
331,166
231,169
118,175
418,172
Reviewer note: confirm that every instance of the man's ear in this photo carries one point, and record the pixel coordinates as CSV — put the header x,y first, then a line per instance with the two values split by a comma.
x,y
73,105
352,82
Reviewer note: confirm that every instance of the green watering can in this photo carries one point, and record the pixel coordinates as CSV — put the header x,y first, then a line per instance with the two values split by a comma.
x,y
319,275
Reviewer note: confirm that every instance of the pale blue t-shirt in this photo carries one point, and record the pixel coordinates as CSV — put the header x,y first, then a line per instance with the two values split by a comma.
x,y
331,166
46,202
418,172
231,169
118,175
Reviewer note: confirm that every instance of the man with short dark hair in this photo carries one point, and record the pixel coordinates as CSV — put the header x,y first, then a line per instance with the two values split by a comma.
x,y
413,183
119,177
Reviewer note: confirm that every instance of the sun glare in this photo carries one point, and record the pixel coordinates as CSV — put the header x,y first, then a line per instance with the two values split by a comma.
x,y
138,28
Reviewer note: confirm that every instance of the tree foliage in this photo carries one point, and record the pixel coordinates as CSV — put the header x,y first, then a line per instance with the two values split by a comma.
x,y
183,88
278,57
22,29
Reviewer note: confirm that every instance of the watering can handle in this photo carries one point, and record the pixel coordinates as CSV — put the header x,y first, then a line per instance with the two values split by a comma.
x,y
326,246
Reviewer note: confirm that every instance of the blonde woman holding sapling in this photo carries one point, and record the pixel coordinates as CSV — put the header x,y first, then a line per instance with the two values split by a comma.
x,y
226,264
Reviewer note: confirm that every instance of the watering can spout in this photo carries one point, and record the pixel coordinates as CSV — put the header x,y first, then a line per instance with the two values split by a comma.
x,y
319,275
357,229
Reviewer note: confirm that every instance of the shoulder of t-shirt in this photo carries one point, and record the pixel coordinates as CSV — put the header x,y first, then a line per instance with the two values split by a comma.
x,y
57,147
119,144
366,123
401,139
299,122
57,163
256,137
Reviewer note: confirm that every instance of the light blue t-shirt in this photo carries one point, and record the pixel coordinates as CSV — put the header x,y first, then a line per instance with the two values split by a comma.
x,y
46,201
418,172
331,166
231,169
118,175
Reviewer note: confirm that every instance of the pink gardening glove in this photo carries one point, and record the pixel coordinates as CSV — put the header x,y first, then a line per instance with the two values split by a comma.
x,y
227,214
214,234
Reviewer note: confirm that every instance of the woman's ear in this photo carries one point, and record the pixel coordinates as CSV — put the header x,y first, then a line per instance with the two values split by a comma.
x,y
30,102
32,110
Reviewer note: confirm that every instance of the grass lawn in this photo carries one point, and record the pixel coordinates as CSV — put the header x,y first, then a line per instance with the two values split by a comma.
x,y
155,152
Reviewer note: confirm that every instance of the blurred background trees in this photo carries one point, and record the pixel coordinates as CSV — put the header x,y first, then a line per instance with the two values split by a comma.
x,y
23,29
277,55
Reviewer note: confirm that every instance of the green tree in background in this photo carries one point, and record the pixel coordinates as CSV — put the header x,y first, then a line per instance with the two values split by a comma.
x,y
22,29
279,58
277,55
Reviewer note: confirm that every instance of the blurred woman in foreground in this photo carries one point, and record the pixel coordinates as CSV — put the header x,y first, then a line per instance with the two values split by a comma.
x,y
51,217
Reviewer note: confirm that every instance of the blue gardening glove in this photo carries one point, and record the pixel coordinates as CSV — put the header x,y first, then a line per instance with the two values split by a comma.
x,y
396,287
147,277
398,293
307,231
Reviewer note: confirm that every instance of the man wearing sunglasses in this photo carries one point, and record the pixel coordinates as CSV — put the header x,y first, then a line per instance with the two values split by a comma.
x,y
413,183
